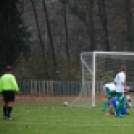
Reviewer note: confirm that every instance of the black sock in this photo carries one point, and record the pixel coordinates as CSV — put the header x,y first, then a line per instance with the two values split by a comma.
x,y
5,111
9,111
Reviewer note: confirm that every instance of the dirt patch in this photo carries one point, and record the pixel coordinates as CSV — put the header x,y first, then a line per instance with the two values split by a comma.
x,y
37,98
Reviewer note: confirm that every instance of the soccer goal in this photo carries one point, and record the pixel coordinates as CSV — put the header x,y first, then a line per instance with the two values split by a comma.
x,y
99,68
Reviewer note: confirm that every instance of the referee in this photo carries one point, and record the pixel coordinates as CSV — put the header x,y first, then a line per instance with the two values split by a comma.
x,y
8,88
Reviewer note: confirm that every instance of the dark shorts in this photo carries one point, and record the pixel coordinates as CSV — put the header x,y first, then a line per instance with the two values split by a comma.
x,y
8,96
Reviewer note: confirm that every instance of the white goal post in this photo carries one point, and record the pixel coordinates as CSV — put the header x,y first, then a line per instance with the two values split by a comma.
x,y
99,68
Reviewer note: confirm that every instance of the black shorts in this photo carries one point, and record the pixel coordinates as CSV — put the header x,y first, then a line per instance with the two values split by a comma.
x,y
8,96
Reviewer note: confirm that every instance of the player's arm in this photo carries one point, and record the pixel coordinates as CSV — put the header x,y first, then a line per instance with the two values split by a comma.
x,y
124,84
14,83
115,80
111,108
0,85
123,79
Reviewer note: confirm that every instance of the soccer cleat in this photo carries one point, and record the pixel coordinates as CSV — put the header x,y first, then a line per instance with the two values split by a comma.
x,y
5,117
121,116
116,115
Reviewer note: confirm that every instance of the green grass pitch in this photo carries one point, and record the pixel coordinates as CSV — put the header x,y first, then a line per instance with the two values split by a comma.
x,y
54,118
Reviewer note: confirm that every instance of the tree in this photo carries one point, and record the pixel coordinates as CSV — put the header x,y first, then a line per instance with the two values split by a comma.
x,y
129,26
66,26
13,34
38,28
50,37
87,17
90,25
104,22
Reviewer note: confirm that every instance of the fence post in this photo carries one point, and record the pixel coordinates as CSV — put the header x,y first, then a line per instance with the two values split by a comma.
x,y
51,87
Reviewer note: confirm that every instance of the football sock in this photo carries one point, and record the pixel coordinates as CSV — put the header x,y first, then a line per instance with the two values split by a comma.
x,y
9,111
4,111
118,109
105,105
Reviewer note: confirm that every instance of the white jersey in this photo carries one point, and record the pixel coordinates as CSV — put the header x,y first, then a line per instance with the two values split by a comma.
x,y
111,86
120,78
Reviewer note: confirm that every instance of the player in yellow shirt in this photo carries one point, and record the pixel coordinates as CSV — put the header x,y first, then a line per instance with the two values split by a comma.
x,y
8,88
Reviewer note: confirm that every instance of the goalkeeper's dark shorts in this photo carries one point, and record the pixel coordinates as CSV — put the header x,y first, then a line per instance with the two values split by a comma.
x,y
8,96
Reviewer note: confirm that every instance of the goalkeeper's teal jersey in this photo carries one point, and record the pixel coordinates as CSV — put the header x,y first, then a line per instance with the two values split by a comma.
x,y
8,82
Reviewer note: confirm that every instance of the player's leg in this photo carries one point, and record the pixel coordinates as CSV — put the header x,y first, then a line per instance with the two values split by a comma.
x,y
105,103
111,108
8,97
5,106
11,98
124,110
5,109
10,108
120,104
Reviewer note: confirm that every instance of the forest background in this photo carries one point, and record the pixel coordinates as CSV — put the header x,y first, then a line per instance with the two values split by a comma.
x,y
43,39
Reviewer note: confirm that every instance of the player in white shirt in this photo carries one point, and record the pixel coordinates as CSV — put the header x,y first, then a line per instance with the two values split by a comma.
x,y
109,90
120,81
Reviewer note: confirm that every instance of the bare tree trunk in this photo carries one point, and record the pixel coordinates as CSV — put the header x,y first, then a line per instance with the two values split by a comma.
x,y
66,28
38,28
50,37
129,25
21,6
104,22
9,12
90,25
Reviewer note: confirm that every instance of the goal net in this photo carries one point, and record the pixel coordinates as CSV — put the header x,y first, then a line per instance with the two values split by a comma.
x,y
99,68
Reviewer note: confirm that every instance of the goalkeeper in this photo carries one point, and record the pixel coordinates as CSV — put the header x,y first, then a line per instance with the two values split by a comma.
x,y
109,91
